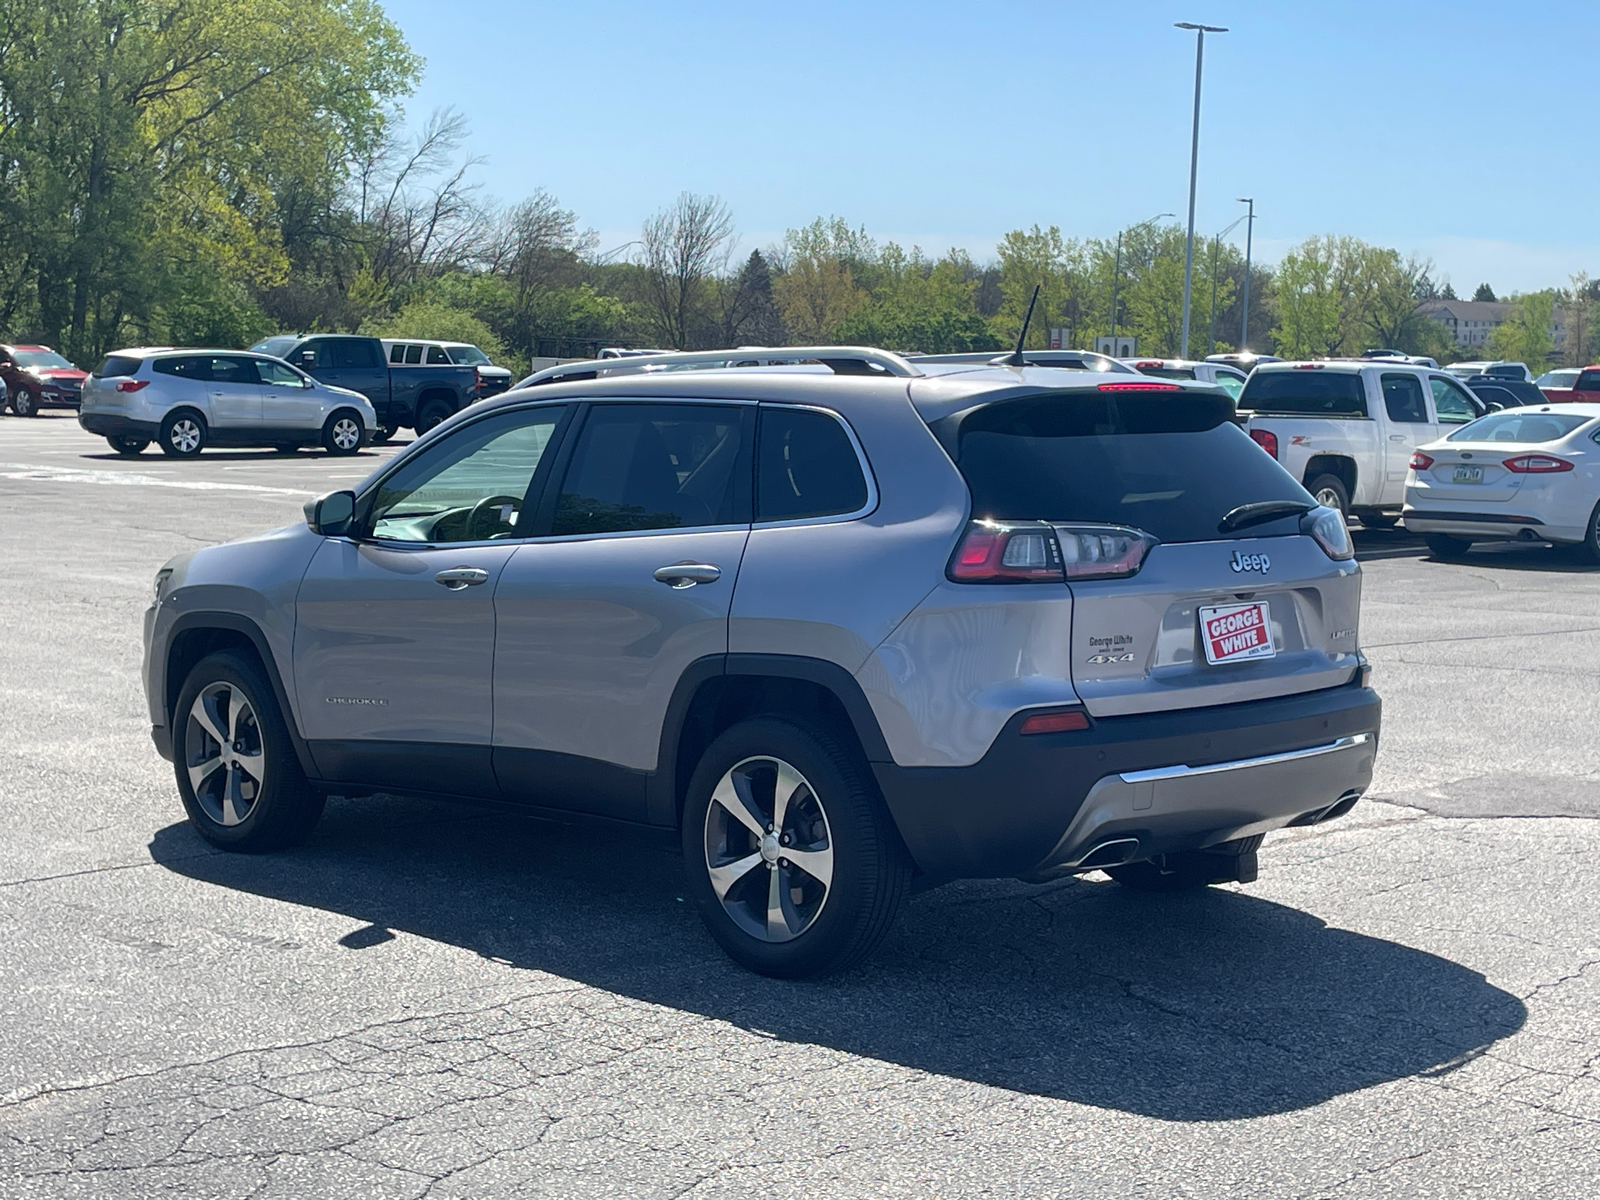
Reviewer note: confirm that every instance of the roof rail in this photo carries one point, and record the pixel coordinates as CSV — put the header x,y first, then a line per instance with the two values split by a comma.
x,y
841,360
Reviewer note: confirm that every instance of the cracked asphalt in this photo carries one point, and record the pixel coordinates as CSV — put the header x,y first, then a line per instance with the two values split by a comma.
x,y
448,1001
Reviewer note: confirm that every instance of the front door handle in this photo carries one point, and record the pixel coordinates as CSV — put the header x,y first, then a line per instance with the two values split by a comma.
x,y
457,578
687,574
1398,437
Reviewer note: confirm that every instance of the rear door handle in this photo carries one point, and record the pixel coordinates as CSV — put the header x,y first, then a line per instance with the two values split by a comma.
x,y
687,574
457,578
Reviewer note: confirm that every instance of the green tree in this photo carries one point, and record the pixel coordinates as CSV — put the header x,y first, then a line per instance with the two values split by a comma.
x,y
431,319
920,306
1524,336
1484,292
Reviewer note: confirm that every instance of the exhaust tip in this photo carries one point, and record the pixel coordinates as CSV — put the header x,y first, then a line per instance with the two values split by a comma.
x,y
1109,854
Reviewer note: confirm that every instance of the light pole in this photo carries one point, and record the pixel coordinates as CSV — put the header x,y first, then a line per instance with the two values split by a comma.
x,y
1116,273
1211,326
1194,164
1249,237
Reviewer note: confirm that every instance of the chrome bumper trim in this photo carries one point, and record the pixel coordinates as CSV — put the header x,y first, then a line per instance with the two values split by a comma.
x,y
1244,764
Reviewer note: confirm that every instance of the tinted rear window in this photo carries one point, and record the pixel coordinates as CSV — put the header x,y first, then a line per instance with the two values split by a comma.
x,y
1520,425
1172,466
1168,372
1312,392
116,366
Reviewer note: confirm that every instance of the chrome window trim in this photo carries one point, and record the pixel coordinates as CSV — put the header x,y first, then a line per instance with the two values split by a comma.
x,y
862,461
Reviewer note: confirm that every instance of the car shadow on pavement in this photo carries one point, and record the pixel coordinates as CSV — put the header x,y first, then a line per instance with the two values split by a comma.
x,y
1374,544
1204,1007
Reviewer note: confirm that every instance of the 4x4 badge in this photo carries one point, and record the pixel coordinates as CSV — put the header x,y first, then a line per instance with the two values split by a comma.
x,y
1250,562
1111,658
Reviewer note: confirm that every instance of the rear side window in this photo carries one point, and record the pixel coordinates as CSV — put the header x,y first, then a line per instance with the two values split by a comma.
x,y
356,352
187,367
1172,466
397,354
1307,392
413,355
117,366
806,466
655,466
1402,399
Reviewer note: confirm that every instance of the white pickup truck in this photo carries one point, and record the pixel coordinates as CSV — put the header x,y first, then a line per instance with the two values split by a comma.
x,y
1346,428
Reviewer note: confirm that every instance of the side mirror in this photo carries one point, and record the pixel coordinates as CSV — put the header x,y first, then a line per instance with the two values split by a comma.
x,y
330,515
308,359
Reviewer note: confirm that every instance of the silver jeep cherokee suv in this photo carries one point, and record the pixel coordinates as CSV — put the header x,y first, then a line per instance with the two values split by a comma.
x,y
846,626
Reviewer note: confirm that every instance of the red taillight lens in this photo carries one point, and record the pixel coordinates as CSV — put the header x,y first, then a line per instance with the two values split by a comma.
x,y
1266,439
1007,552
131,385
1420,461
1307,366
1056,722
1140,385
1537,464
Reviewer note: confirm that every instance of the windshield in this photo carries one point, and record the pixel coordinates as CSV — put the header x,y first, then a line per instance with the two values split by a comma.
x,y
1171,464
41,358
275,346
1520,425
1308,391
467,356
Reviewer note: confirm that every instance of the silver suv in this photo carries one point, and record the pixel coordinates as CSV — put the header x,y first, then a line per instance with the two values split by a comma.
x,y
186,400
845,627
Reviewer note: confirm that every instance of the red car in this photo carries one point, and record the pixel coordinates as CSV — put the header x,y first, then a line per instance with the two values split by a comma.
x,y
36,376
1585,389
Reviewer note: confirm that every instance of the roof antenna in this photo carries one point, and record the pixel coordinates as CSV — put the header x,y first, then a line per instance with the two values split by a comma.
x,y
1015,359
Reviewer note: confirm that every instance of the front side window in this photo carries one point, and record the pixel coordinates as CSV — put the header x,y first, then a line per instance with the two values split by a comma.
x,y
1451,403
437,357
655,466
278,374
468,487
805,467
1402,399
1230,383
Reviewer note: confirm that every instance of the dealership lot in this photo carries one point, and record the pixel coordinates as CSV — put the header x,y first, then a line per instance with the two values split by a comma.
x,y
458,1001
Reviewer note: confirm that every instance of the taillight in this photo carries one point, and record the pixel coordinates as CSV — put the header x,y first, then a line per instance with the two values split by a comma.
x,y
131,385
1139,385
1537,464
1266,439
1056,722
1327,528
1102,551
1420,461
1007,552
1307,367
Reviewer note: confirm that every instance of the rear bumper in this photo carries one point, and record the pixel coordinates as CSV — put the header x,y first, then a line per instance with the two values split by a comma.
x,y
1133,787
1487,526
104,424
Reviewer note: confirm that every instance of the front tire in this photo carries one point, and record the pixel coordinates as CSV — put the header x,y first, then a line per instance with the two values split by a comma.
x,y
382,433
1379,520
1447,546
127,446
183,434
237,772
25,403
1329,491
342,433
791,856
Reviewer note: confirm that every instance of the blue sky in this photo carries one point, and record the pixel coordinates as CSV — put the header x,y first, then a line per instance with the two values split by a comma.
x,y
945,125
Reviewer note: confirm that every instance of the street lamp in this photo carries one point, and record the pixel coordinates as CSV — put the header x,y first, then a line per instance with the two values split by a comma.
x,y
1194,163
1116,273
1249,237
1211,326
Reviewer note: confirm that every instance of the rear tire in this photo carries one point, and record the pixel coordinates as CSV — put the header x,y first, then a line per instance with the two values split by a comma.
x,y
25,403
775,914
244,791
431,414
128,447
1448,547
286,448
1590,546
382,434
343,432
183,434
1329,491
1378,520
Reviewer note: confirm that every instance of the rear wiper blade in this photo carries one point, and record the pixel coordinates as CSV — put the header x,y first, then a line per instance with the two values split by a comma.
x,y
1259,511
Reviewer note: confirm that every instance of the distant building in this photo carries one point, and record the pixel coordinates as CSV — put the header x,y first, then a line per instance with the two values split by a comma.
x,y
1469,321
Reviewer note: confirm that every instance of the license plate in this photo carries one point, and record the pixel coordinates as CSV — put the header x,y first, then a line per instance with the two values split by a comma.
x,y
1236,632
1469,475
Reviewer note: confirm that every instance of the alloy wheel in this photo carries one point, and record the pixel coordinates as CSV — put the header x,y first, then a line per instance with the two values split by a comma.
x,y
185,435
223,753
1328,498
768,849
346,433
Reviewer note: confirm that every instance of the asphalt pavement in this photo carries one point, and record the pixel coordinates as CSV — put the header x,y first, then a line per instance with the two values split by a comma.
x,y
451,1001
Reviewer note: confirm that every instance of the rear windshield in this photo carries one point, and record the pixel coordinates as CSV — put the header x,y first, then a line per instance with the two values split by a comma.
x,y
116,366
1311,392
1172,465
1168,372
1520,425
